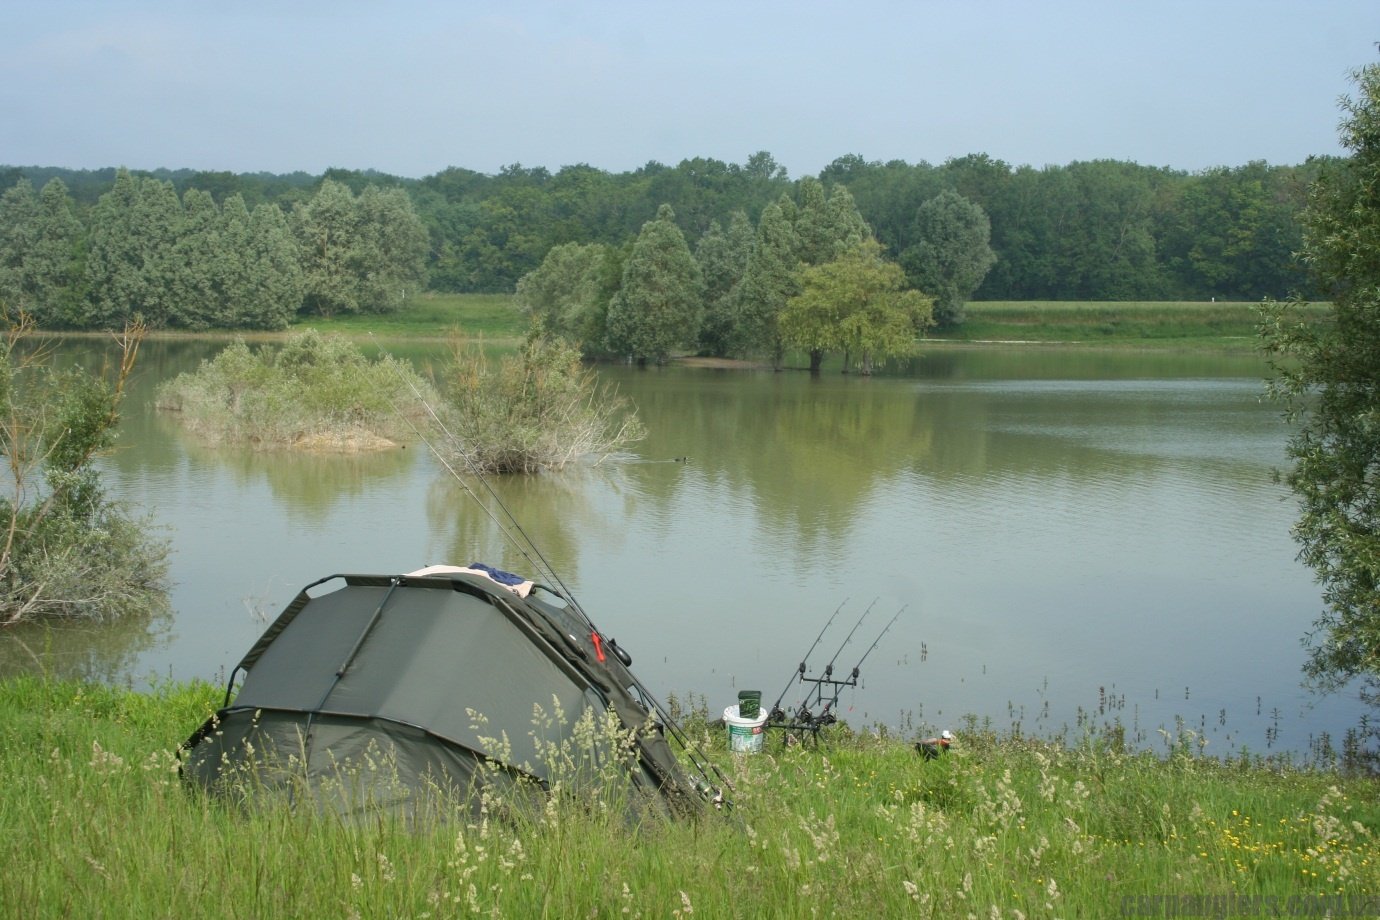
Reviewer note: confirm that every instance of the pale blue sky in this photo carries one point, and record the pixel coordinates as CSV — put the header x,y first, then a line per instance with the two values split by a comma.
x,y
413,87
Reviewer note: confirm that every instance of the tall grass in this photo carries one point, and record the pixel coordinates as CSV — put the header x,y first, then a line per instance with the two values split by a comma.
x,y
94,822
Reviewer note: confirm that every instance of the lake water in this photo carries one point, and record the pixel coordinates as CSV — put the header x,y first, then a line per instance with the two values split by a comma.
x,y
1070,539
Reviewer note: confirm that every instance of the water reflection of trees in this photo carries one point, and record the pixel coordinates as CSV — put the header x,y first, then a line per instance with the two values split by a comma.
x,y
306,482
1093,433
557,512
803,452
105,652
806,454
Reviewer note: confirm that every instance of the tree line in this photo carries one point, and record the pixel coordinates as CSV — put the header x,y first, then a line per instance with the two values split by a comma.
x,y
187,261
1087,230
809,276
143,251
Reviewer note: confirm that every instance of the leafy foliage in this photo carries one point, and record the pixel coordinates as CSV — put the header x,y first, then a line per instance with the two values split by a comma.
x,y
722,256
769,280
360,255
314,392
791,236
1328,374
40,251
131,266
569,292
856,303
68,552
364,242
657,308
951,254
539,409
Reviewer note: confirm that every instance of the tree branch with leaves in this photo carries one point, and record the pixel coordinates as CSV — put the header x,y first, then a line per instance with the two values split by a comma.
x,y
1327,374
68,552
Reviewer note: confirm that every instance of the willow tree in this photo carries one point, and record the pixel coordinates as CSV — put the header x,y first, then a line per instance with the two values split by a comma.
x,y
769,280
722,255
262,284
858,304
569,292
40,251
195,254
359,255
18,217
791,236
131,266
1328,374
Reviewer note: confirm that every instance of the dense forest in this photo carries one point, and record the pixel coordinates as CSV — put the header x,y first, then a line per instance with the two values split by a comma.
x,y
188,249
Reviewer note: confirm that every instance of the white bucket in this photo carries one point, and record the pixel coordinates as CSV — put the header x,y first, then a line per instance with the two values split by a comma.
x,y
745,736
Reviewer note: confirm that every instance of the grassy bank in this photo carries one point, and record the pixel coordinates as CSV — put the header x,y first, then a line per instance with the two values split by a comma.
x,y
94,822
1157,324
1178,324
433,315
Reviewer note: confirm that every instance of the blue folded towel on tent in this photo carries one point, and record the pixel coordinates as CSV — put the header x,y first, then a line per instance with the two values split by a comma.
x,y
498,575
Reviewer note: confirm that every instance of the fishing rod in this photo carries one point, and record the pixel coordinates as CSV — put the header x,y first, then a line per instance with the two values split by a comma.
x,y
777,714
805,719
697,757
541,564
876,641
829,668
776,707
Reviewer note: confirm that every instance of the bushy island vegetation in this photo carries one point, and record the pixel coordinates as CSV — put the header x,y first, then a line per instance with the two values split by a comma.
x,y
537,408
314,392
95,822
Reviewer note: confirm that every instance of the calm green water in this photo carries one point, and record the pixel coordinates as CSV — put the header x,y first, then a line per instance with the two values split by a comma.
x,y
1069,537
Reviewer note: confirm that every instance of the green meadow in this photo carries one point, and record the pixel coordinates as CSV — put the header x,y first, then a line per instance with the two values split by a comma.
x,y
432,315
95,822
1151,324
1175,324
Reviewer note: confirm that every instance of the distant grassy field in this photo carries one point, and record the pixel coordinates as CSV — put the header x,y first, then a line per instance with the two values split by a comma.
x,y
432,315
1138,323
1141,324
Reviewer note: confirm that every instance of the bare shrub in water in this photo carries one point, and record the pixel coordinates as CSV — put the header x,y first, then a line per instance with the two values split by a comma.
x,y
539,409
67,551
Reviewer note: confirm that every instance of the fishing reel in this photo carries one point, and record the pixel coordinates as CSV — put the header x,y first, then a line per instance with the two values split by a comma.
x,y
712,794
825,688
